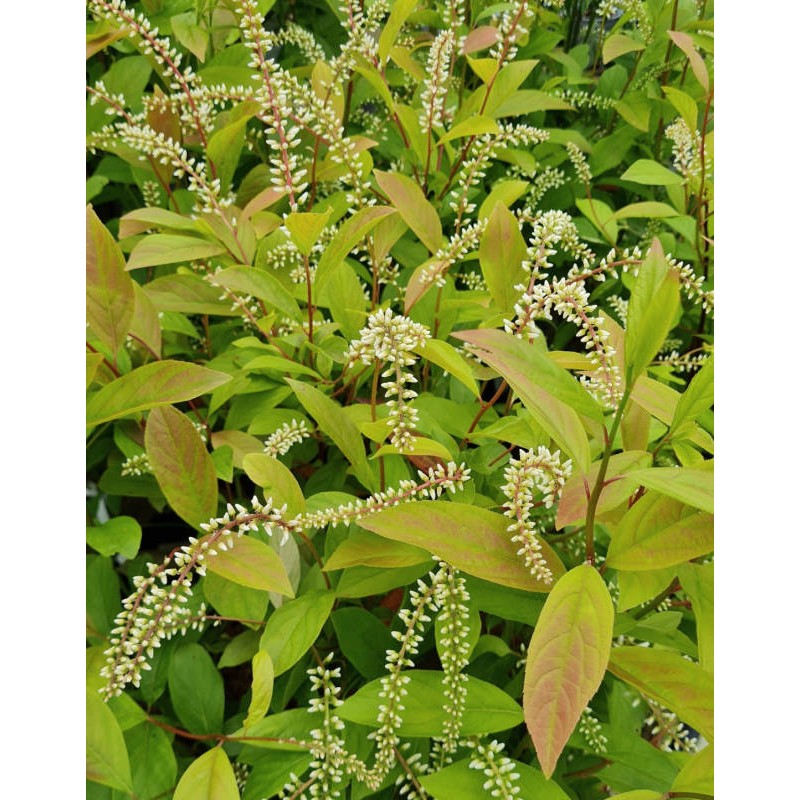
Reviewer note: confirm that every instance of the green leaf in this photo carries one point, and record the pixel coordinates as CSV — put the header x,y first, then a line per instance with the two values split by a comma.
x,y
368,581
501,253
294,627
690,485
93,362
475,126
366,549
567,659
471,539
422,447
187,294
601,216
527,101
209,777
239,649
153,762
109,290
401,10
697,580
338,426
232,599
618,45
251,563
549,392
260,284
305,228
639,586
651,311
277,481
449,359
660,532
196,689
263,680
106,755
487,709
697,774
352,231
683,687
698,397
225,146
160,383
192,37
649,209
458,780
121,535
182,465
684,104
166,248
363,639
651,173
415,210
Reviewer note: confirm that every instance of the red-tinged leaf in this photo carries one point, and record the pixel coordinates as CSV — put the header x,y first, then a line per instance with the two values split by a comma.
x,y
264,199
181,464
145,325
574,497
567,659
480,38
680,685
109,290
188,294
165,248
697,580
260,284
209,777
249,562
144,219
471,539
684,41
660,532
413,207
502,251
551,394
160,383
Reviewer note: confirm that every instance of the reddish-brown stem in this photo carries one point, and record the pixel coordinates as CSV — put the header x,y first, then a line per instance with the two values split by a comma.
x,y
222,737
485,406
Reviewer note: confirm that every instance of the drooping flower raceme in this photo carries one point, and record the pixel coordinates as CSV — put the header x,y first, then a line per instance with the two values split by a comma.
x,y
392,338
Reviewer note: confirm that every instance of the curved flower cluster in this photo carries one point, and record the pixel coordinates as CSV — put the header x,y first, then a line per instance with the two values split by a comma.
x,y
290,433
453,642
589,728
533,472
464,241
513,26
435,86
578,160
392,338
501,780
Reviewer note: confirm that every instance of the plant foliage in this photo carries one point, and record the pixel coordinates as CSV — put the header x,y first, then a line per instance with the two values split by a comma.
x,y
399,399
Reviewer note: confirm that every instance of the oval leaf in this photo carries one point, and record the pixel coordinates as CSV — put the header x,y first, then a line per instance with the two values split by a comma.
x,y
471,539
260,284
502,251
167,248
158,384
250,562
181,464
210,777
680,685
567,659
651,173
415,210
691,485
277,481
196,689
106,755
263,680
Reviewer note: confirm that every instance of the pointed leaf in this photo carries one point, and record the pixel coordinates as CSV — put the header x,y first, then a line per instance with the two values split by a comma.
x,y
182,465
502,251
471,539
365,549
697,580
647,209
145,324
160,383
188,294
165,248
698,397
196,689
651,173
684,41
336,424
260,284
277,481
475,126
414,208
106,755
305,228
249,562
680,685
294,627
209,777
263,680
401,10
109,290
654,301
697,774
660,532
567,659
617,45
691,485
449,359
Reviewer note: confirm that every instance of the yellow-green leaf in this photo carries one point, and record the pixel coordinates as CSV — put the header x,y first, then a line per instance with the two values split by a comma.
x,y
617,45
680,685
501,253
362,548
305,228
567,659
684,104
639,586
648,209
697,580
697,774
106,755
601,216
249,562
422,447
660,532
209,777
160,383
505,193
401,10
166,248
691,485
413,207
471,539
277,481
109,290
475,126
263,681
448,358
651,173
182,465
260,284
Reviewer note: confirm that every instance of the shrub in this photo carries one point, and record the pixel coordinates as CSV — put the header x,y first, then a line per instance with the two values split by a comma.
x,y
400,385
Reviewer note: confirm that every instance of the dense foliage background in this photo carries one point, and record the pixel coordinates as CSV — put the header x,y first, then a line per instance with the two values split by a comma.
x,y
400,386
